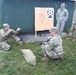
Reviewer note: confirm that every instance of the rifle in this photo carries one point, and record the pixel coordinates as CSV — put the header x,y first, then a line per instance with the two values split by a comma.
x,y
43,42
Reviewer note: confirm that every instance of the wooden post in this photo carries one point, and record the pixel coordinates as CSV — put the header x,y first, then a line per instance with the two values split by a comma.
x,y
35,34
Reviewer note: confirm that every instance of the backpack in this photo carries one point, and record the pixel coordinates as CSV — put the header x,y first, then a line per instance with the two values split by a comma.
x,y
29,56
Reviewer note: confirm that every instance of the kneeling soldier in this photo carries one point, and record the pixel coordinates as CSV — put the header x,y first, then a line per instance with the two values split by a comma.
x,y
53,48
5,34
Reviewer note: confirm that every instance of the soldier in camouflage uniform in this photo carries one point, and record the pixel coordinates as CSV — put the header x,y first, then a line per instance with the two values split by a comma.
x,y
6,34
73,28
61,17
53,48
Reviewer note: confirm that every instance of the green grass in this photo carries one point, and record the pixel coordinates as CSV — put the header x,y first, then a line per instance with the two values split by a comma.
x,y
13,63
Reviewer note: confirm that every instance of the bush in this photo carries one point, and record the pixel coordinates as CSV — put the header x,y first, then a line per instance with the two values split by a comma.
x,y
0,26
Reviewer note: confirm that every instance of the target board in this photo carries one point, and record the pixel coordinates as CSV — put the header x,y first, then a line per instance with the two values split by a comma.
x,y
44,19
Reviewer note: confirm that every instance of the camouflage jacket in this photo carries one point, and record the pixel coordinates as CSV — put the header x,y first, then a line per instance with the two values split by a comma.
x,y
4,35
55,44
62,15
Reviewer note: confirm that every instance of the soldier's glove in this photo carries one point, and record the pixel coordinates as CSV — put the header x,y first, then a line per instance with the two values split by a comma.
x,y
18,29
44,43
73,22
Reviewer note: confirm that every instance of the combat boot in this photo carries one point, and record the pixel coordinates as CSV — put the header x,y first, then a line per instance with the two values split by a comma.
x,y
74,40
20,42
58,59
45,58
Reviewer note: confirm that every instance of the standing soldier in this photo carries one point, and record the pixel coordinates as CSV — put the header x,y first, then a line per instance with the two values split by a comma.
x,y
73,28
53,48
5,34
61,17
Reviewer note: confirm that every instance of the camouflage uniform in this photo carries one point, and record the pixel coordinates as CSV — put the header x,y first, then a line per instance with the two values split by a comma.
x,y
53,48
61,17
73,28
5,36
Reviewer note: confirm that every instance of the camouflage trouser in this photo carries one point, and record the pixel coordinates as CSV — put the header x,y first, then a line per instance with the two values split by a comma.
x,y
16,38
60,25
54,55
73,34
73,30
5,46
51,53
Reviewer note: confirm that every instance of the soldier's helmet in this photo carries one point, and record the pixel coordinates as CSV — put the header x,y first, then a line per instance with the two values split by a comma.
x,y
63,4
5,25
53,29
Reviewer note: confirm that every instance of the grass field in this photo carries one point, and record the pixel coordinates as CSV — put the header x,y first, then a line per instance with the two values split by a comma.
x,y
13,63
